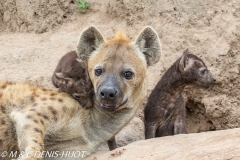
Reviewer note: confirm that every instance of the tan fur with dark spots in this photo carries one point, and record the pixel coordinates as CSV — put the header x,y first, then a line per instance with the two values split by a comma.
x,y
50,120
34,122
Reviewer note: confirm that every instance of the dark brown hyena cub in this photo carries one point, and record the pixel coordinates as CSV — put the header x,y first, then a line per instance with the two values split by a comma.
x,y
71,76
165,109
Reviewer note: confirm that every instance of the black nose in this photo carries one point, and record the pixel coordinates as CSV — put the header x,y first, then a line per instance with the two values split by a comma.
x,y
214,79
108,93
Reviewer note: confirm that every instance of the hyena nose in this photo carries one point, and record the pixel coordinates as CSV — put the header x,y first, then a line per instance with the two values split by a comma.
x,y
214,79
108,93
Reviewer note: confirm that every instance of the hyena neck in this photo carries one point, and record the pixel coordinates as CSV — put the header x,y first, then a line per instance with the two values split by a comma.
x,y
101,126
172,80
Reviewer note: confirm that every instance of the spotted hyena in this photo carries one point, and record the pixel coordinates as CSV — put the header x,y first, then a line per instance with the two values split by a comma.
x,y
71,76
165,109
34,119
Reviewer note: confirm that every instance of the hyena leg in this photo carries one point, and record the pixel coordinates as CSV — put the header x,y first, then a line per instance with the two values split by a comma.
x,y
8,141
165,129
112,143
150,130
180,126
30,135
179,123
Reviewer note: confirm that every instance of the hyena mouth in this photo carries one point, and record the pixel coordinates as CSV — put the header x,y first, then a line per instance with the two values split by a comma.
x,y
111,107
211,86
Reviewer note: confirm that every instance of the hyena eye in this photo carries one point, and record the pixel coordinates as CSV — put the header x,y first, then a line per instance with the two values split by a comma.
x,y
128,75
76,96
98,72
203,71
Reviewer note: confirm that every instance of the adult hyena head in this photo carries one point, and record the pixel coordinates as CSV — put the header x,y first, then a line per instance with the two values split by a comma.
x,y
117,67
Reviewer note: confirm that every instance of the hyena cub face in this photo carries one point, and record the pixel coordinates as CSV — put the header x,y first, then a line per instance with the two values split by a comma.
x,y
71,76
79,90
118,67
195,71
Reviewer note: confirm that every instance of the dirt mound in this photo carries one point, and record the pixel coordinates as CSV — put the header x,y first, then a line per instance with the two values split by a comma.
x,y
34,15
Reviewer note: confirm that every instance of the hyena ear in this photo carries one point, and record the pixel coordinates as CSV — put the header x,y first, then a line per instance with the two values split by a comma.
x,y
149,44
185,62
62,78
89,40
81,62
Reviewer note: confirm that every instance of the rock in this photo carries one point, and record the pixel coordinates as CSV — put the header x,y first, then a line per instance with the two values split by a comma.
x,y
203,146
134,131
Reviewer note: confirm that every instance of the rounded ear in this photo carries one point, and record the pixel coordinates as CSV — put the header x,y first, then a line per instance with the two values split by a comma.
x,y
185,63
89,40
82,63
60,75
79,60
62,78
149,44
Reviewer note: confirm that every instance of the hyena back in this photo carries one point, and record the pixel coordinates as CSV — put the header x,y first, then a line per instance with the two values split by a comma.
x,y
29,113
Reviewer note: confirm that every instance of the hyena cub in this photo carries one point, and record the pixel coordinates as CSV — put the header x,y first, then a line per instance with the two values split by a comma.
x,y
71,76
165,109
